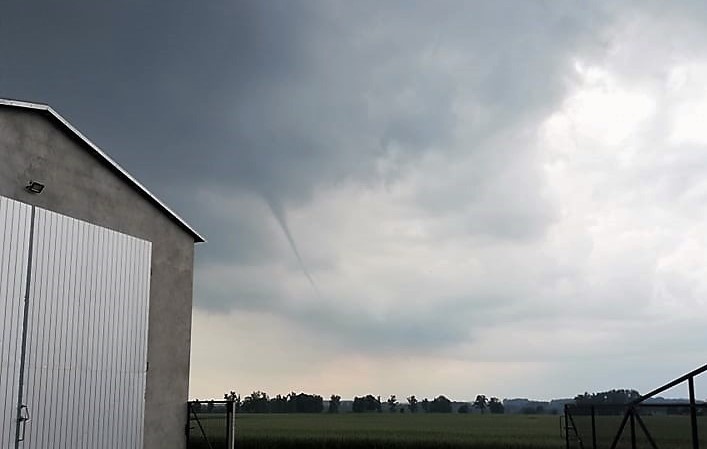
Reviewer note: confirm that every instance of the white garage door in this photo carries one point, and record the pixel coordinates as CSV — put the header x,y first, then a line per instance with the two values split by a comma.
x,y
85,354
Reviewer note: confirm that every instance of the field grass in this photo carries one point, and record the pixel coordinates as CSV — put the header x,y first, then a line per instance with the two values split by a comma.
x,y
435,431
393,431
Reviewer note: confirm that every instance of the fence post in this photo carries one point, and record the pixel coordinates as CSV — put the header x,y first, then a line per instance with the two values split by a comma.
x,y
594,430
187,428
693,414
230,426
567,429
633,429
621,429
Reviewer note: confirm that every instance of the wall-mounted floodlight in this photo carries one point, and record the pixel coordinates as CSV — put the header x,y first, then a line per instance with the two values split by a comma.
x,y
35,187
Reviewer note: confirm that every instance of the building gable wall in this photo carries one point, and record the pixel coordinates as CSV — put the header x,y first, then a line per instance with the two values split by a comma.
x,y
78,184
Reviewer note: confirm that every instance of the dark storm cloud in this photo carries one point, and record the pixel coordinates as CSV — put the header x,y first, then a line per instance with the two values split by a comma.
x,y
448,173
168,92
280,99
276,96
164,78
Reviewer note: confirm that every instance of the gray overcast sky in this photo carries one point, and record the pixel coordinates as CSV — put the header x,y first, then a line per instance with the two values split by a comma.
x,y
497,197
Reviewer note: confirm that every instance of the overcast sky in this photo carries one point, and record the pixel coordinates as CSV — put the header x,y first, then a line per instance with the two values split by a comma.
x,y
502,197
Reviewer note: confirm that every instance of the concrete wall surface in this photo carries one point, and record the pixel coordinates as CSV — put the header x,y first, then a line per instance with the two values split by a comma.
x,y
35,146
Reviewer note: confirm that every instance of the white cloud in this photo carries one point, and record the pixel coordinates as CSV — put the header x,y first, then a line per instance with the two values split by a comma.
x,y
687,94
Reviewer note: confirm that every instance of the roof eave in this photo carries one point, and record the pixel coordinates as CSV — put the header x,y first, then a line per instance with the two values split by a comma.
x,y
114,165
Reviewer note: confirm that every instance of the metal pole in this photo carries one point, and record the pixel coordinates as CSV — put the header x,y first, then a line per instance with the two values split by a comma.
x,y
567,433
670,385
594,430
693,414
646,432
576,432
621,430
201,428
230,426
187,428
21,420
633,430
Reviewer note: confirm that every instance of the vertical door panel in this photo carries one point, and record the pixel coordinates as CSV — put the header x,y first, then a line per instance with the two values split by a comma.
x,y
86,349
14,246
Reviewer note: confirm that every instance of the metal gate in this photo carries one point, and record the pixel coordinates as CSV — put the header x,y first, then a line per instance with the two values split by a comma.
x,y
211,424
76,322
640,423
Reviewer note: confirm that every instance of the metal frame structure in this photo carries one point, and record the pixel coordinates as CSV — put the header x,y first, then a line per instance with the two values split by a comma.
x,y
201,436
632,416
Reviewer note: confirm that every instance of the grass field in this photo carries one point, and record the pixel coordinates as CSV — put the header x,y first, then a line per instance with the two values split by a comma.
x,y
392,431
432,431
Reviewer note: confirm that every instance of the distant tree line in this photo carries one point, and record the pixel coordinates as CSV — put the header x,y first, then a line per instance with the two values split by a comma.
x,y
367,403
607,398
260,402
440,404
611,397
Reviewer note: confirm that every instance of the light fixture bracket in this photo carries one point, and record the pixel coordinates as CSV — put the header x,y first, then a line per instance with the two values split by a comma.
x,y
34,187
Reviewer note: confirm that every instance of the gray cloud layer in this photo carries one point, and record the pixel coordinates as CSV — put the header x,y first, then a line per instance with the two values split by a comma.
x,y
280,97
435,163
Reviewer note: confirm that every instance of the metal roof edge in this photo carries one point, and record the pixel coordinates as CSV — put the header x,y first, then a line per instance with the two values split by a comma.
x,y
114,165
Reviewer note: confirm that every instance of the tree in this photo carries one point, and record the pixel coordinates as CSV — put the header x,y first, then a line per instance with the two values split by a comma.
x,y
412,404
481,402
359,405
441,405
368,403
611,397
305,403
496,407
278,404
235,398
425,404
529,410
392,403
464,408
616,397
334,402
256,402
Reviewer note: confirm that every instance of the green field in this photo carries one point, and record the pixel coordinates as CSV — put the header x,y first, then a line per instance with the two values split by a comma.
x,y
512,430
388,431
433,431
